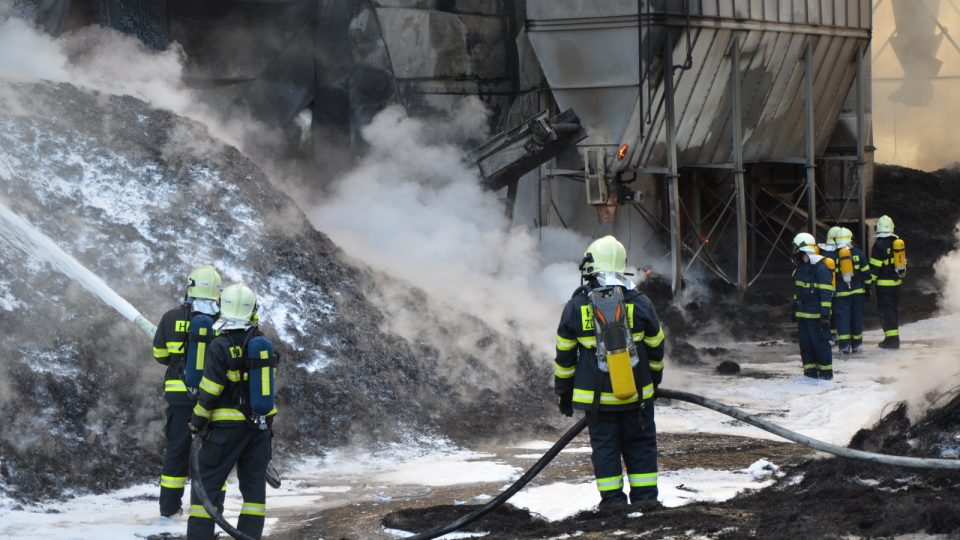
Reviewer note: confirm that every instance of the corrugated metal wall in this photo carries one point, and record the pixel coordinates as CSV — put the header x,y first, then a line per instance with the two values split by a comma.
x,y
772,94
589,53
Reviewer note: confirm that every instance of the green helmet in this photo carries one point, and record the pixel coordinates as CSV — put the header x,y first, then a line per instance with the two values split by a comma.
x,y
606,254
845,237
884,224
238,303
832,234
204,282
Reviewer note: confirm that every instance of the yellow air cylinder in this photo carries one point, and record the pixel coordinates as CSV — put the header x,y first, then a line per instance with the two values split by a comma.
x,y
621,374
900,256
846,264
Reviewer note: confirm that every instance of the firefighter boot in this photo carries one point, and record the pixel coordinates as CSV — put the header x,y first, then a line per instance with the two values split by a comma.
x,y
613,500
890,343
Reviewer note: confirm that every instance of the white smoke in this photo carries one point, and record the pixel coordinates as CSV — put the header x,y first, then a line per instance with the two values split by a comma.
x,y
414,208
110,62
947,270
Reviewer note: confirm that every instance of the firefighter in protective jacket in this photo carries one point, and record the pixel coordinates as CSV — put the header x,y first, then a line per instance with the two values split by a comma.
x,y
169,348
812,305
852,276
887,276
238,377
621,422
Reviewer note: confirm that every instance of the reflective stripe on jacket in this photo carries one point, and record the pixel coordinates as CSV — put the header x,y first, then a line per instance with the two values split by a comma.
x,y
881,262
576,368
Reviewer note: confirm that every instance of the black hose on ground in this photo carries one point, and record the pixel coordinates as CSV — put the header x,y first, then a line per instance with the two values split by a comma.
x,y
197,485
900,461
509,492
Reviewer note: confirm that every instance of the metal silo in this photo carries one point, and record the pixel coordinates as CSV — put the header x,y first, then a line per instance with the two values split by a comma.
x,y
747,90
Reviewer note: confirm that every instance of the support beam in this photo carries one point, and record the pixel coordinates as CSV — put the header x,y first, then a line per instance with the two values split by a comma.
x,y
673,176
810,139
861,142
738,179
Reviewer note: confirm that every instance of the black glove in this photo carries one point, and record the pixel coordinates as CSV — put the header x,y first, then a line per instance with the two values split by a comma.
x,y
825,324
866,292
566,403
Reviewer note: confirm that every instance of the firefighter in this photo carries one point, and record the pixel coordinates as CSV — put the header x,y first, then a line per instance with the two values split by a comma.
x,y
853,273
620,417
887,276
235,432
812,305
828,249
169,347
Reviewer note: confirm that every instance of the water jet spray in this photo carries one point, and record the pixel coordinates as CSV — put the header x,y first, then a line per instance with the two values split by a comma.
x,y
20,234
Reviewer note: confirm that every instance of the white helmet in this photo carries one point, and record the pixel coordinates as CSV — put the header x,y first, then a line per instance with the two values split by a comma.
x,y
605,254
805,242
238,303
832,234
844,237
884,224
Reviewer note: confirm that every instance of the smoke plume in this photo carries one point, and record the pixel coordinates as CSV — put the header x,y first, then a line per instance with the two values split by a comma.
x,y
948,273
414,208
905,133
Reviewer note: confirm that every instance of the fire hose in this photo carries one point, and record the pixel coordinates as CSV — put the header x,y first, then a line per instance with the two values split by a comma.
x,y
198,489
901,461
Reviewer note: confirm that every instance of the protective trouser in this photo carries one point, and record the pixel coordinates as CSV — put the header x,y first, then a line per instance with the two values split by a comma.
x,y
631,434
815,350
856,320
176,460
888,301
849,312
247,448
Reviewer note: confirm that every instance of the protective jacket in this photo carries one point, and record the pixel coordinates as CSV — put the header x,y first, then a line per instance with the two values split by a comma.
x,y
169,347
881,261
861,275
222,398
576,367
813,290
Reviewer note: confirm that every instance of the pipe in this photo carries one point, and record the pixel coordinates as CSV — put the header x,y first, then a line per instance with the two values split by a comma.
x,y
197,485
901,461
510,492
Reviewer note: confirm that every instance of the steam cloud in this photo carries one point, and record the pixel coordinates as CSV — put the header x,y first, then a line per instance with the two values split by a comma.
x,y
414,208
918,137
948,273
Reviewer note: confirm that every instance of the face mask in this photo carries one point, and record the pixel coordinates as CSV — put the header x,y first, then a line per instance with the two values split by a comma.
x,y
206,306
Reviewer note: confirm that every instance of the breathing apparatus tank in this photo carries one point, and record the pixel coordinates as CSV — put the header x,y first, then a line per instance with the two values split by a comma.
x,y
199,335
616,352
846,264
261,367
900,256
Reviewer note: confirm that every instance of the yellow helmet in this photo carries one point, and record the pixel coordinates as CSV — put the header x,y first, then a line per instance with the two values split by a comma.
x,y
805,242
605,254
832,234
238,303
884,224
204,282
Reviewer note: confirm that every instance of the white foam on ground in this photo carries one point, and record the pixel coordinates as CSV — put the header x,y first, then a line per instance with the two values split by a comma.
x,y
865,386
